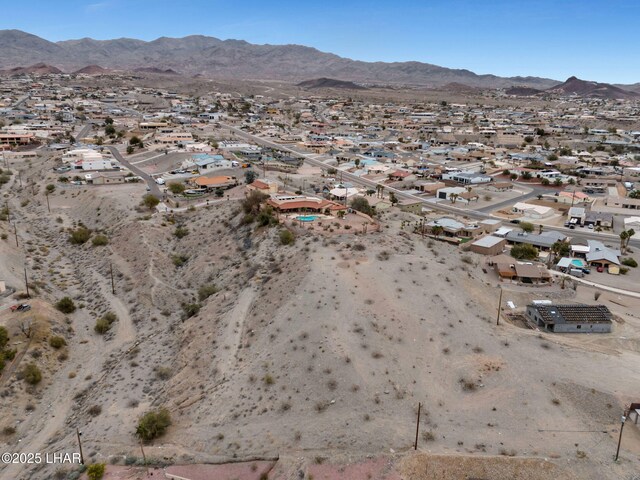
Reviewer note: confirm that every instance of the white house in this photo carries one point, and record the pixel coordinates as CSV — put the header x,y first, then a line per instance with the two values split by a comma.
x,y
533,211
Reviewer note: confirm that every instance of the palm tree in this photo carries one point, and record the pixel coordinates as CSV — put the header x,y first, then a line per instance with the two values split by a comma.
x,y
624,236
437,230
453,197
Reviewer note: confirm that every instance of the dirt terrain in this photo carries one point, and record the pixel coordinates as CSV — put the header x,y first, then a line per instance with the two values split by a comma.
x,y
309,350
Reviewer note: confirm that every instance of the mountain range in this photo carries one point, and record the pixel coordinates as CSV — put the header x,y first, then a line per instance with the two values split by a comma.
x,y
235,59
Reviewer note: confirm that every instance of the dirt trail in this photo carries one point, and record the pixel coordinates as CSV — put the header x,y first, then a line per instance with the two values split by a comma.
x,y
234,328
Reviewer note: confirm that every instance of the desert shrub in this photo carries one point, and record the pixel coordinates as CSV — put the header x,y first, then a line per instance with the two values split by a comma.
x,y
383,255
102,326
100,240
9,430
358,247
287,237
163,373
190,309
153,424
4,337
181,232
468,385
80,235
66,305
251,204
179,260
630,262
96,471
466,259
95,410
205,291
31,374
57,342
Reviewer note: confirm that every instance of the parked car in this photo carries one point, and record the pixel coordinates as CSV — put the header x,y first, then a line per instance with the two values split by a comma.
x,y
586,270
600,269
23,307
590,226
576,272
516,221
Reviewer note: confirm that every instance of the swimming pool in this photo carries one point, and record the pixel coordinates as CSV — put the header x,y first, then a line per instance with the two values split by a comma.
x,y
577,262
307,218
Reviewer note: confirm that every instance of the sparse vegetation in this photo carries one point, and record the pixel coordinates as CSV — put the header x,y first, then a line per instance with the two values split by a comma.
x,y
66,305
100,240
287,237
57,342
80,236
96,471
31,374
205,291
153,424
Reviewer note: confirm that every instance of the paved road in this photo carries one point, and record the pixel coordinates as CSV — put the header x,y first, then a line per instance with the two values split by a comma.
x,y
629,293
317,160
507,203
151,183
83,131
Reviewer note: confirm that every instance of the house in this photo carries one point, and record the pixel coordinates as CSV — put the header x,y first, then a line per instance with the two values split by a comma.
x,y
301,203
490,225
577,318
576,215
343,192
8,139
595,253
488,245
399,175
429,187
105,178
213,183
533,211
526,272
467,178
263,185
573,197
632,223
453,228
501,186
600,219
543,241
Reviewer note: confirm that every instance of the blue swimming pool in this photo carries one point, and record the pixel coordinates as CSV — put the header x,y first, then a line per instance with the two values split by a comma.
x,y
307,218
577,262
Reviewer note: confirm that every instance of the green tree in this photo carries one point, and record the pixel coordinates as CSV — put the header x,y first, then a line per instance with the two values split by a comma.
x,y
250,176
437,230
251,203
526,227
392,198
526,175
524,252
134,140
50,188
153,424
176,188
4,337
361,204
110,130
557,182
130,150
150,201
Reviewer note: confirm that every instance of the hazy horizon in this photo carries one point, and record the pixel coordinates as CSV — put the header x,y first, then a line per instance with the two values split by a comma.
x,y
531,38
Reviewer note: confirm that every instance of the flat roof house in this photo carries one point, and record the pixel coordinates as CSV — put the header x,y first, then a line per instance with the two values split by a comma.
x,y
543,241
577,318
488,245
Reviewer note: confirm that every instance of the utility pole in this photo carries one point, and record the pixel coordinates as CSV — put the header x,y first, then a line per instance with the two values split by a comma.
x,y
48,207
26,282
623,419
415,445
113,285
499,307
78,433
15,231
144,457
20,177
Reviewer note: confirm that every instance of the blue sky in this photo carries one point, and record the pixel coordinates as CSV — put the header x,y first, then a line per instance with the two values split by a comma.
x,y
594,40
